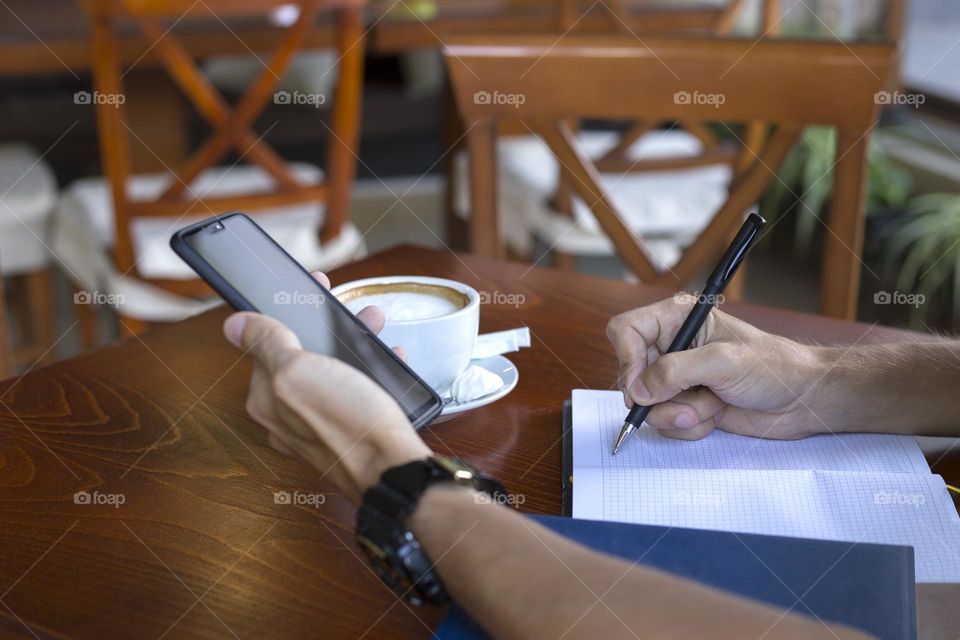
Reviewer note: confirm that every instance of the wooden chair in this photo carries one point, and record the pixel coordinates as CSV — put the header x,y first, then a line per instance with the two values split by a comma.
x,y
625,18
785,84
231,130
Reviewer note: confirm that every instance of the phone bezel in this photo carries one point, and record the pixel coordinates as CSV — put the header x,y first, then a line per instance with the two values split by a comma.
x,y
178,242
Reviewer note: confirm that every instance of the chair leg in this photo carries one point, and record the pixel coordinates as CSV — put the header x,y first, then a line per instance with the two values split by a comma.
x,y
564,261
736,288
6,355
42,312
132,326
87,321
20,309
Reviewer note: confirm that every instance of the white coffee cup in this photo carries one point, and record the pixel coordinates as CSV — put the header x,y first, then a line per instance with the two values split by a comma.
x,y
435,320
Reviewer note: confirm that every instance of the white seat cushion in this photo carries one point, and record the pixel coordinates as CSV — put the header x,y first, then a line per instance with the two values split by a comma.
x,y
311,73
295,227
668,208
83,234
28,193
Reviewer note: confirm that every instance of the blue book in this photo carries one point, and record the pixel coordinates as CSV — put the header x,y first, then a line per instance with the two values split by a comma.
x,y
866,586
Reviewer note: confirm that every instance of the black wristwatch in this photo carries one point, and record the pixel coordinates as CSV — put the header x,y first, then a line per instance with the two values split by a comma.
x,y
394,552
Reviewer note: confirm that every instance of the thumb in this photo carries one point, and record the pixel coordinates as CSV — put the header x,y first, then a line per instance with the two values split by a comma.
x,y
673,373
266,339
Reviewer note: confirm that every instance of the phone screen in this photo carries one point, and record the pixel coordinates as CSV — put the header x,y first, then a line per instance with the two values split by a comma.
x,y
273,283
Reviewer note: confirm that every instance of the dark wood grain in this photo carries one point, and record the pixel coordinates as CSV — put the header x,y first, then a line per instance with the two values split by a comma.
x,y
159,419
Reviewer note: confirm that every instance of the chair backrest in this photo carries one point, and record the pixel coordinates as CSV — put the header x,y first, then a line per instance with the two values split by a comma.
x,y
231,126
786,84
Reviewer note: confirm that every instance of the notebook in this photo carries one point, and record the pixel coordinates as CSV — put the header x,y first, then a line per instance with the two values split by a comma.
x,y
851,487
817,578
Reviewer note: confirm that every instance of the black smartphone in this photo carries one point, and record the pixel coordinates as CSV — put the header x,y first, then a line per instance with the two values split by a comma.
x,y
253,273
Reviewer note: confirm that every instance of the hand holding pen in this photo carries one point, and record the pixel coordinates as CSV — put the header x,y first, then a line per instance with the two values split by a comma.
x,y
715,286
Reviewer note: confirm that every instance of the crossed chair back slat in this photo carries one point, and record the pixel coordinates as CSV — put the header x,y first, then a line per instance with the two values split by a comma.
x,y
231,126
785,85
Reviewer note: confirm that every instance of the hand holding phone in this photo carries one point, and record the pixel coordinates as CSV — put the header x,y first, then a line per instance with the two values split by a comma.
x,y
253,273
346,426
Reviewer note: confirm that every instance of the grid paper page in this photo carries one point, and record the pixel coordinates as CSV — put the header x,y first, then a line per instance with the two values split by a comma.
x,y
598,416
853,487
911,510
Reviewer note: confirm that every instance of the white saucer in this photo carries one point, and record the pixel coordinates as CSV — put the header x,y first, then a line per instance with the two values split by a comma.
x,y
496,364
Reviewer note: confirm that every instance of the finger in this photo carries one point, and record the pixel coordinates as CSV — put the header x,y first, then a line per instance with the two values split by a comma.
x,y
372,317
699,432
401,353
264,338
322,278
709,366
686,410
638,333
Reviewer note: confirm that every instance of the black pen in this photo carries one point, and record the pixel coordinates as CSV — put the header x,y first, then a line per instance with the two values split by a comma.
x,y
716,283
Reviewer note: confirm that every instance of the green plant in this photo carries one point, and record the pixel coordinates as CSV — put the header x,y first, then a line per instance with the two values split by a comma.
x,y
924,248
805,182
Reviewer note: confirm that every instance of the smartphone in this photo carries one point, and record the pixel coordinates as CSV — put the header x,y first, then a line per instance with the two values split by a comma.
x,y
247,267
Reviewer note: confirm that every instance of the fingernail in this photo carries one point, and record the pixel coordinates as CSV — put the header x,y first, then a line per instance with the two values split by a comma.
x,y
685,420
233,328
639,392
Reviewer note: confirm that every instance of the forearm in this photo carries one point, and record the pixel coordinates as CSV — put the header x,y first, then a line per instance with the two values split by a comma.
x,y
520,580
897,388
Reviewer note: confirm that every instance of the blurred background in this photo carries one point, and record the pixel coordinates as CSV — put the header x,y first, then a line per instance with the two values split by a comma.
x,y
340,123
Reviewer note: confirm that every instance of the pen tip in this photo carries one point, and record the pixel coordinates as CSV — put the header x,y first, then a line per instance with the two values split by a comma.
x,y
625,431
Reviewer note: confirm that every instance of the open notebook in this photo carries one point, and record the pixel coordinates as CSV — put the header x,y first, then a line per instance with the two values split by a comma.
x,y
853,487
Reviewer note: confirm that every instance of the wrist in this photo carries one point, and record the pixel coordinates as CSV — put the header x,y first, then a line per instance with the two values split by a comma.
x,y
385,452
839,392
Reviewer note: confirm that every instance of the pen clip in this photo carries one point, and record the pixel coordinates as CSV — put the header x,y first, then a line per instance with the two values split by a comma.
x,y
737,251
741,254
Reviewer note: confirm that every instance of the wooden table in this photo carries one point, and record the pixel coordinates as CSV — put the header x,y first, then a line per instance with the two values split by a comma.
x,y
199,548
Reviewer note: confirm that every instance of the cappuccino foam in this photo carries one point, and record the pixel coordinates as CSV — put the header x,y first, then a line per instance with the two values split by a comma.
x,y
401,306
